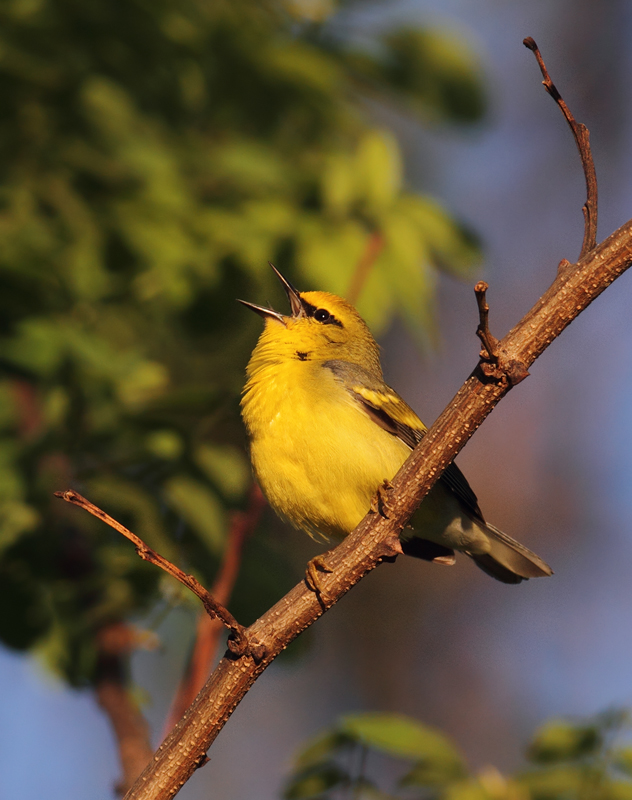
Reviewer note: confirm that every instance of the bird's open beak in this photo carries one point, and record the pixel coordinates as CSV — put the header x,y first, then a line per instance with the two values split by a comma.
x,y
293,295
263,311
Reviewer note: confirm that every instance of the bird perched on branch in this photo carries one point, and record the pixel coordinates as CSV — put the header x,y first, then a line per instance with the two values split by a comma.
x,y
326,431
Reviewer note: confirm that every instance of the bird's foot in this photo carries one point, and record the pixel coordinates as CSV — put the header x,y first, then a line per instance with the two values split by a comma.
x,y
312,576
379,504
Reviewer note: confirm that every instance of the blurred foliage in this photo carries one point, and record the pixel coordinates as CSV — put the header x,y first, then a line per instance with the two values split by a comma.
x,y
154,157
585,760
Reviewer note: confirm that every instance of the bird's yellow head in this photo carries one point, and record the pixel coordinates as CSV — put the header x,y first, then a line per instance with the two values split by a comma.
x,y
321,327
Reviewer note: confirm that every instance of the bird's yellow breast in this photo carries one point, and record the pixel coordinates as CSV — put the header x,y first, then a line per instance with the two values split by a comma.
x,y
316,454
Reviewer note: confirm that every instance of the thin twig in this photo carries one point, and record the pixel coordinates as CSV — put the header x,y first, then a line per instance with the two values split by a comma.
x,y
208,630
582,139
374,247
239,644
495,365
490,343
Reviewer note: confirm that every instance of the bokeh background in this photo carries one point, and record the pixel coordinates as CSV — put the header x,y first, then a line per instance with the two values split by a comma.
x,y
484,662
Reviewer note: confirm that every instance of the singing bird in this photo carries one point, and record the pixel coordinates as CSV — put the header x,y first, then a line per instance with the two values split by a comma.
x,y
326,431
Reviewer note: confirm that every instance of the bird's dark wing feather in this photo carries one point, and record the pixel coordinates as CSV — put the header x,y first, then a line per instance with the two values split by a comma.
x,y
457,482
387,409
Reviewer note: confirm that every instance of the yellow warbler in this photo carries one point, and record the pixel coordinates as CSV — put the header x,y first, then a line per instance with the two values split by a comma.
x,y
326,431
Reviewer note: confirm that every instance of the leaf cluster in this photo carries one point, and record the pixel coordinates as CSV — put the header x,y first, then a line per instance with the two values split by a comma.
x,y
154,158
569,760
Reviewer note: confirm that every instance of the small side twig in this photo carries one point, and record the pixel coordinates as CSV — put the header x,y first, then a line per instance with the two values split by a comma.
x,y
494,363
239,644
489,342
582,139
243,524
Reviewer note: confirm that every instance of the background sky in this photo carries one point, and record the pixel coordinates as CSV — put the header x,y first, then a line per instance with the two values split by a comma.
x,y
551,466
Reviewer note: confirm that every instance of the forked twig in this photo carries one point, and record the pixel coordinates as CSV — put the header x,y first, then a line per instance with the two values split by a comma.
x,y
238,644
495,364
582,139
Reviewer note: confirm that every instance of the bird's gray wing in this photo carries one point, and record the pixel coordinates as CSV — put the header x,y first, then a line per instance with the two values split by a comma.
x,y
387,409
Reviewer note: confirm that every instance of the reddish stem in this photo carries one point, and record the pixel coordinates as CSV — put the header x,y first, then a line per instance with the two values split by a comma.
x,y
114,642
374,247
209,630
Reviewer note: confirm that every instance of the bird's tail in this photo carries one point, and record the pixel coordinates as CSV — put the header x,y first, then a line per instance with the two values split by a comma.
x,y
508,560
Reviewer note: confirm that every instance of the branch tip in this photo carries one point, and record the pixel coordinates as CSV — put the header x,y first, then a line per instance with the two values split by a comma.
x,y
582,140
489,342
494,363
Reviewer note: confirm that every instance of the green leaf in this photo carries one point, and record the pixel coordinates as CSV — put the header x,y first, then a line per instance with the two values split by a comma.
x,y
622,759
315,781
436,72
200,508
430,774
338,184
16,518
328,253
472,790
403,737
378,171
134,507
406,258
226,466
250,166
553,783
615,790
451,246
323,748
558,740
302,65
378,302
165,444
143,383
38,346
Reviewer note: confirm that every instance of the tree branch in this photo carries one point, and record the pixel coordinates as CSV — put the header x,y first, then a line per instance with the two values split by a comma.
x,y
239,644
582,140
114,642
376,537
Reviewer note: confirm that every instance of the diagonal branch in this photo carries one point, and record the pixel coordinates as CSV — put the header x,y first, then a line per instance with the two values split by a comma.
x,y
376,538
582,140
240,643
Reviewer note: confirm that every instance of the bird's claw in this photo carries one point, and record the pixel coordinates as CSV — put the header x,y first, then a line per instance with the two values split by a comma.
x,y
379,504
312,578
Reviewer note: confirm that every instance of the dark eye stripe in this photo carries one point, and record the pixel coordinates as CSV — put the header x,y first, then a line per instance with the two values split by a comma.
x,y
314,312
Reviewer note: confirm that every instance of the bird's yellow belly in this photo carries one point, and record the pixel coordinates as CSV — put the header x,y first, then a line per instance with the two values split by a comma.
x,y
317,456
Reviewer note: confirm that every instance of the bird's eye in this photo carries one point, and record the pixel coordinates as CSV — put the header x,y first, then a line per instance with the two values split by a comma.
x,y
321,315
